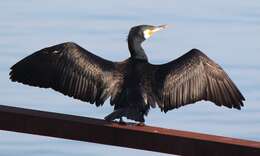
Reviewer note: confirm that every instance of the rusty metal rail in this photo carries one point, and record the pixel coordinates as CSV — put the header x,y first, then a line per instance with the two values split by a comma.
x,y
132,136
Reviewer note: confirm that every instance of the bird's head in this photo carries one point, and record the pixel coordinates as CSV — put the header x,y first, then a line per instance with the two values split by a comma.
x,y
143,32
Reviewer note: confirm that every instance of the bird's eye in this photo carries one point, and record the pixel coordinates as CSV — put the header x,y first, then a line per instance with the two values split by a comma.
x,y
147,33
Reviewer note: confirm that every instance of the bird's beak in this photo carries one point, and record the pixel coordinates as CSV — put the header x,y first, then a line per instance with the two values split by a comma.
x,y
149,32
159,28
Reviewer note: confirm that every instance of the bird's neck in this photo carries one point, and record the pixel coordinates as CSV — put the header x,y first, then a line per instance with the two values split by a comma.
x,y
136,50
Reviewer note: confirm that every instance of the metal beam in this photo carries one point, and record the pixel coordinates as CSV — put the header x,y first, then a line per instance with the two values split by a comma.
x,y
131,136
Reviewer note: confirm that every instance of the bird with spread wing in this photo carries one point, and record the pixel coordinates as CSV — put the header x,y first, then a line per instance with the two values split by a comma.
x,y
133,85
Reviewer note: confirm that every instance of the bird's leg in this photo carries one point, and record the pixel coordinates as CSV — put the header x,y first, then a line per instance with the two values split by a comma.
x,y
121,121
141,120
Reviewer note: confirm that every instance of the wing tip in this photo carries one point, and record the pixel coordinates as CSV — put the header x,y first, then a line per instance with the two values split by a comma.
x,y
12,74
239,104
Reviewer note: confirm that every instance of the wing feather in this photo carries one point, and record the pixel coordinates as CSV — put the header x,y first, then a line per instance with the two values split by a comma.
x,y
194,77
69,69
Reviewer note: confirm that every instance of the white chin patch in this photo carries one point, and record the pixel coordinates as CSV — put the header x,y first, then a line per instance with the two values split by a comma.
x,y
147,33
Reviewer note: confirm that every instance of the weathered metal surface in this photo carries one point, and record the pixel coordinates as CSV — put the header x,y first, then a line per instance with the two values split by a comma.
x,y
132,136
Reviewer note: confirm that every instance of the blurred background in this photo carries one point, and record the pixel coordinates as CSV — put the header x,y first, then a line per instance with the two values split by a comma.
x,y
227,31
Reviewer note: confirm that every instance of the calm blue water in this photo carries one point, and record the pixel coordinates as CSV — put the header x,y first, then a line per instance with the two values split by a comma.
x,y
227,31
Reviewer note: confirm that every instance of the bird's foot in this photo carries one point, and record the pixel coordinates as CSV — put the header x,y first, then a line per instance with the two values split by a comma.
x,y
140,124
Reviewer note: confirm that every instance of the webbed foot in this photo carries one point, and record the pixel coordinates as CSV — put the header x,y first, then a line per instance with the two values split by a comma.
x,y
140,124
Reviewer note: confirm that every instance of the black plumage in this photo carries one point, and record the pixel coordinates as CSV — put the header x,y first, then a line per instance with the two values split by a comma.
x,y
133,85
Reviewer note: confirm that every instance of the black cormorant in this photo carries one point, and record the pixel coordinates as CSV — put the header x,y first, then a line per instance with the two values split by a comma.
x,y
133,85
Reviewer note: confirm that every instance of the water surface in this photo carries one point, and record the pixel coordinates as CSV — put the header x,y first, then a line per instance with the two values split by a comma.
x,y
227,31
